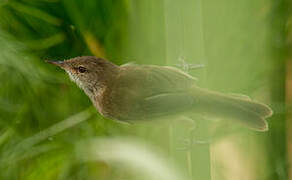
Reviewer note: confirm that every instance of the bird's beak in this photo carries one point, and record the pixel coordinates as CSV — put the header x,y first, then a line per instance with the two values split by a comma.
x,y
56,63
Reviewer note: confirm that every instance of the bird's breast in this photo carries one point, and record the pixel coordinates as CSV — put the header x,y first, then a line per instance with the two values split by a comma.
x,y
104,103
118,104
99,101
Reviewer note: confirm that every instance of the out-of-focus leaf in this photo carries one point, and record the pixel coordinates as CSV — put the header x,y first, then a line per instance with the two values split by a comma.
x,y
35,13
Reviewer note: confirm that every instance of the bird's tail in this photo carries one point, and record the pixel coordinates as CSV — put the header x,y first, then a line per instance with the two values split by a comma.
x,y
233,106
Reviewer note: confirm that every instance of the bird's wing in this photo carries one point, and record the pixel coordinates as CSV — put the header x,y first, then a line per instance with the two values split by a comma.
x,y
156,79
153,90
167,103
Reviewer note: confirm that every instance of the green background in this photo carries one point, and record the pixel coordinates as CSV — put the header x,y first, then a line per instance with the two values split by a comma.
x,y
49,129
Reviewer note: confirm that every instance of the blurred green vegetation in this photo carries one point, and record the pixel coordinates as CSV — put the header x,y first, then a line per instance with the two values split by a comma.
x,y
45,119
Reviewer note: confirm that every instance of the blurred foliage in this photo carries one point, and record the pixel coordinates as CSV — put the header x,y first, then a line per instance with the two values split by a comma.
x,y
33,95
63,29
44,116
48,30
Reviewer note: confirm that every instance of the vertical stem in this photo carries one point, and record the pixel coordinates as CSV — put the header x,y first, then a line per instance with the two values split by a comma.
x,y
185,39
289,115
288,85
189,159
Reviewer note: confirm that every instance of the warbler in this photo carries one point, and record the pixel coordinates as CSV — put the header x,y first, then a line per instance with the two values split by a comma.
x,y
142,92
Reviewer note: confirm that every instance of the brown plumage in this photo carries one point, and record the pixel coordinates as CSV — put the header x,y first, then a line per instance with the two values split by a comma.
x,y
141,92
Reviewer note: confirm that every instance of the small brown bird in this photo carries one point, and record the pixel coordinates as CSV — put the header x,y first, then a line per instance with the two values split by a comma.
x,y
140,92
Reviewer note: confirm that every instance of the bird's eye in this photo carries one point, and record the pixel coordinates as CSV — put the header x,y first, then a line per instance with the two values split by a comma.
x,y
81,69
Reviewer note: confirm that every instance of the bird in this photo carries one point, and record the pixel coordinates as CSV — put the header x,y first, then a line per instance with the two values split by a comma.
x,y
132,92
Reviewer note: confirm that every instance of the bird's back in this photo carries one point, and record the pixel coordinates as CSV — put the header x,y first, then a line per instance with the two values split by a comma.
x,y
134,84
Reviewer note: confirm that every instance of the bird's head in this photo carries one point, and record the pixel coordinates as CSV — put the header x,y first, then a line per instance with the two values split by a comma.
x,y
88,72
